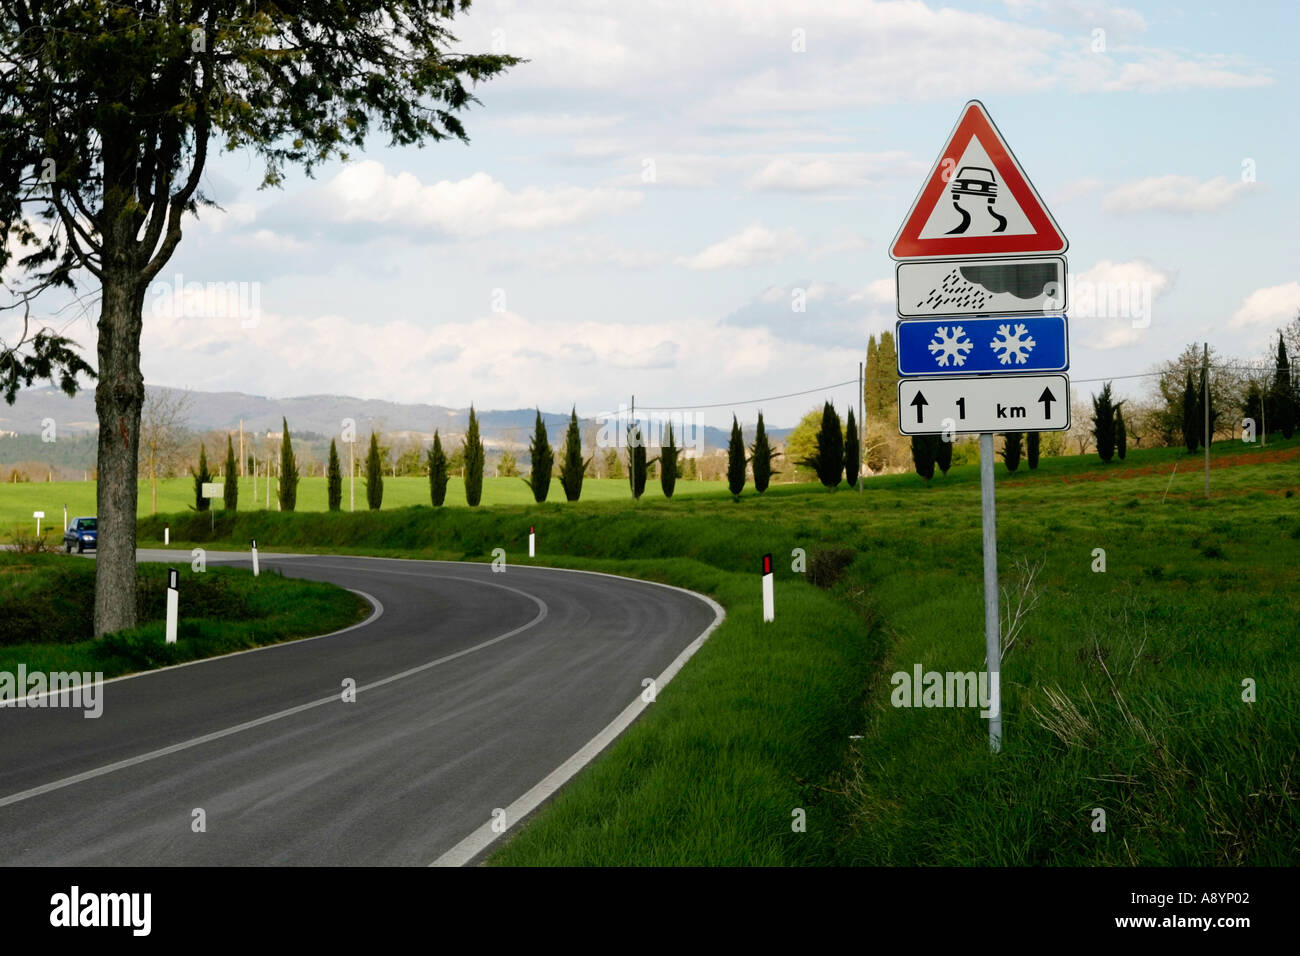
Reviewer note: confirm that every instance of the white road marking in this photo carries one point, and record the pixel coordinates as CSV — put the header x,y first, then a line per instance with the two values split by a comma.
x,y
249,725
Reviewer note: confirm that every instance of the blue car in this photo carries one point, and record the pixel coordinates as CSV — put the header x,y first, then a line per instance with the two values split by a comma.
x,y
83,533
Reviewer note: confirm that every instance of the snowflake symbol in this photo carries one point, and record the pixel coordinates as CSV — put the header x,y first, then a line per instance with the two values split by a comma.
x,y
950,345
1010,344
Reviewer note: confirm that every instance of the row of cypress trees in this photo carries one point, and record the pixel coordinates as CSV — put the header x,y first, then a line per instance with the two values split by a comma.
x,y
288,485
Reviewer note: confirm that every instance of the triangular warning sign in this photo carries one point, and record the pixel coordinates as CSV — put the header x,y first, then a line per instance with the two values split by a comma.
x,y
977,201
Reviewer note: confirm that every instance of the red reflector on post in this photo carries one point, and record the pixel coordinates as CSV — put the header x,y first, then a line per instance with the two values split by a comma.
x,y
767,564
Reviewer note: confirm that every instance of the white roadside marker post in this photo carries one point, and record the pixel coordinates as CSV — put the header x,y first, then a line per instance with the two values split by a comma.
x,y
532,542
167,533
65,517
173,604
254,557
769,600
38,515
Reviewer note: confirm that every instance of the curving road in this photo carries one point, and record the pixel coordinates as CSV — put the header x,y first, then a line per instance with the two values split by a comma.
x,y
476,692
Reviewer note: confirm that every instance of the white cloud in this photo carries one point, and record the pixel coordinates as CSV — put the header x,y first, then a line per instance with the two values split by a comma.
x,y
1113,303
1272,306
755,245
365,192
1076,190
1175,194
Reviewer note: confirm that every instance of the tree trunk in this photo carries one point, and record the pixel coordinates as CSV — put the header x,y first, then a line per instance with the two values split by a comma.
x,y
119,396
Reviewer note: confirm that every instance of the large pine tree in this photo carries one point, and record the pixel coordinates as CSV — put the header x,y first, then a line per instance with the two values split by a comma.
x,y
543,460
736,460
334,481
288,472
374,475
201,478
1103,423
473,462
852,449
761,457
669,467
439,471
231,488
573,468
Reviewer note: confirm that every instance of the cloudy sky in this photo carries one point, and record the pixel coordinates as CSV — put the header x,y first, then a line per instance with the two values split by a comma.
x,y
639,202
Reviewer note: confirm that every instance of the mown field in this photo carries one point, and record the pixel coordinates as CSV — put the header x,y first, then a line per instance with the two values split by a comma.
x,y
18,501
1122,691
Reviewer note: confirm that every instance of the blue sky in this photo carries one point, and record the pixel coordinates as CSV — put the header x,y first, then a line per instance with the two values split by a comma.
x,y
640,199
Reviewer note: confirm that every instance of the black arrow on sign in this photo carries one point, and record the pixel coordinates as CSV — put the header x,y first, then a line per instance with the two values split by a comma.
x,y
919,404
1047,398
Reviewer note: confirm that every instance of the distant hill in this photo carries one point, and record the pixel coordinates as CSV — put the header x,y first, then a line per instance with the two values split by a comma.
x,y
320,414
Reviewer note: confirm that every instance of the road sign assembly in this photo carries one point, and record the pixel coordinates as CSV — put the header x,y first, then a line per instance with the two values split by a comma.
x,y
981,299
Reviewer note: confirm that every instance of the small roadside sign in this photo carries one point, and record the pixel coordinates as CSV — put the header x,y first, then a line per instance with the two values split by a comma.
x,y
984,403
966,346
1023,286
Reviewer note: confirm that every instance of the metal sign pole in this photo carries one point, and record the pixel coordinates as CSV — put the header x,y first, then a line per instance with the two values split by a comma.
x,y
992,626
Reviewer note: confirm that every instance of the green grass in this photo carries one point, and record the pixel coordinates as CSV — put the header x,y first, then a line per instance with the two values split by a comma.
x,y
48,603
1123,692
175,495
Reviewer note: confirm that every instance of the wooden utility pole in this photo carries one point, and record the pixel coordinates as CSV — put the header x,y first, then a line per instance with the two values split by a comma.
x,y
242,465
862,425
1205,401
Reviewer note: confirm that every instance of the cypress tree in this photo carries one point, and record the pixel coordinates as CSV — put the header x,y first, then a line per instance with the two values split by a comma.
x,y
1011,450
474,462
1032,456
668,466
1254,405
852,449
869,391
761,457
334,481
288,472
887,373
374,475
231,489
942,453
828,461
201,477
923,455
543,459
1103,423
1121,432
1191,423
439,471
1284,401
573,469
1205,397
636,465
736,460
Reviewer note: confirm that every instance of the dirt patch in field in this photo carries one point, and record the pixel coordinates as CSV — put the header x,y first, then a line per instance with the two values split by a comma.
x,y
1197,462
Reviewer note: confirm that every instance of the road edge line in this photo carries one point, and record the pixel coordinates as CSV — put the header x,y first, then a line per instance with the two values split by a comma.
x,y
480,841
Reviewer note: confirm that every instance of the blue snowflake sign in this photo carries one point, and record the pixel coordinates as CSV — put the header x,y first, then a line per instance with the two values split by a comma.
x,y
966,346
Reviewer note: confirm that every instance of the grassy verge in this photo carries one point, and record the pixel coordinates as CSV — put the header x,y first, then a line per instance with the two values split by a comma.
x,y
48,603
1123,691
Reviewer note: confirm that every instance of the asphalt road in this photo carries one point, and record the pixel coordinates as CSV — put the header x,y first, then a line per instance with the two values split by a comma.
x,y
472,688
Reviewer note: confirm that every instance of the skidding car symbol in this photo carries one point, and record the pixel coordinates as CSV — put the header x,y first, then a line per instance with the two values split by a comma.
x,y
975,181
967,181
